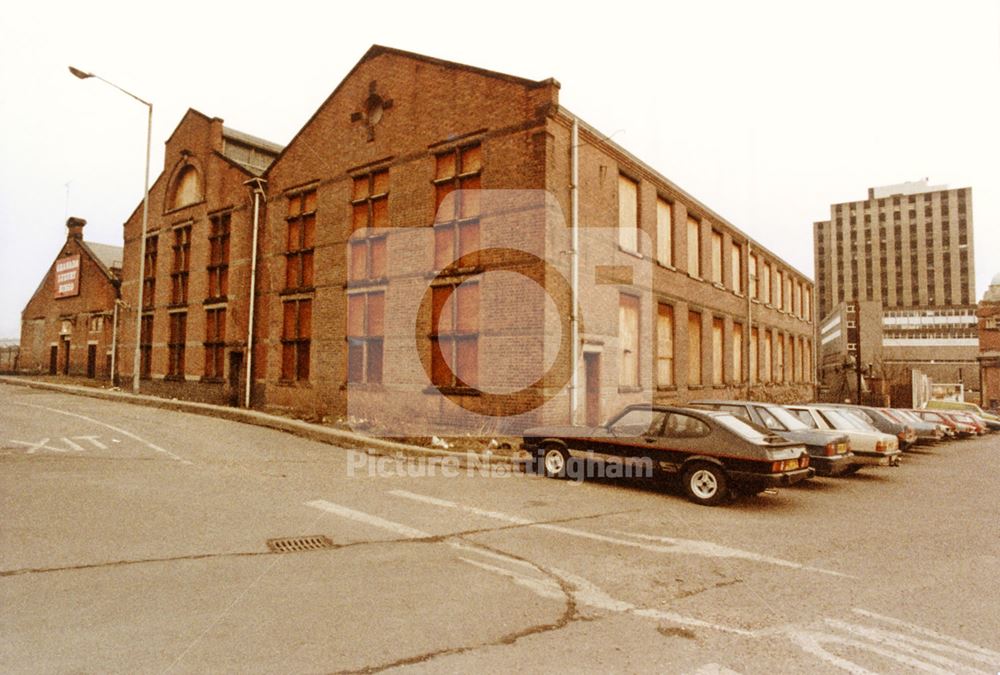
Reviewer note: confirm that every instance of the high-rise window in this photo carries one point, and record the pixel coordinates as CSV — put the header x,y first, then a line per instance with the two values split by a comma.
x,y
693,247
664,345
718,371
218,256
694,348
365,334
182,266
664,232
456,219
296,330
370,217
178,337
628,213
628,338
215,342
301,241
455,335
716,256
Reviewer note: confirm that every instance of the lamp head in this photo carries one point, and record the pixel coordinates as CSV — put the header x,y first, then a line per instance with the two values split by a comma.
x,y
79,73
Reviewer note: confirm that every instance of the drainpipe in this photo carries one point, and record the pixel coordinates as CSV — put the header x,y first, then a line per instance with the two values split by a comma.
x,y
749,333
258,192
114,340
574,392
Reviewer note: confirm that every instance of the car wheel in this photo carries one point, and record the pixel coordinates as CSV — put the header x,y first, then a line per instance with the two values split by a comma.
x,y
706,484
553,460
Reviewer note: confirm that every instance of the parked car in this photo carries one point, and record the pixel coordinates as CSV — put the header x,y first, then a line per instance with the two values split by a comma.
x,y
870,446
948,427
979,426
715,453
961,406
962,429
927,433
881,421
829,450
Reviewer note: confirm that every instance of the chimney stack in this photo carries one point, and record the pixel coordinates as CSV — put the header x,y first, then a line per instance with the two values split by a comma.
x,y
75,227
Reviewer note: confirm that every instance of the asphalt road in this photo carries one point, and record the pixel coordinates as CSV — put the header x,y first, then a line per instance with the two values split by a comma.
x,y
135,540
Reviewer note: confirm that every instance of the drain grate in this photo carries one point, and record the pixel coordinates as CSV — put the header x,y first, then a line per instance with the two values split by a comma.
x,y
296,544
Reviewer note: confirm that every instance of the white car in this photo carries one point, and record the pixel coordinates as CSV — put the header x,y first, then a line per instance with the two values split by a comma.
x,y
870,446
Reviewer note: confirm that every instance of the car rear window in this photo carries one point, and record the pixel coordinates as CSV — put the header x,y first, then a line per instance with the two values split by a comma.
x,y
741,428
805,418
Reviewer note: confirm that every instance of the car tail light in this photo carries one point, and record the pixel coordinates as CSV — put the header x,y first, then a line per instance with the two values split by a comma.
x,y
880,446
901,435
830,450
804,461
843,448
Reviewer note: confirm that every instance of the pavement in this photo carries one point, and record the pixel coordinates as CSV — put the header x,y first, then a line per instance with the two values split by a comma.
x,y
136,539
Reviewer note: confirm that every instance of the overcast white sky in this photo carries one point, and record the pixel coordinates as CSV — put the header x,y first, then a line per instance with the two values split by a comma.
x,y
766,111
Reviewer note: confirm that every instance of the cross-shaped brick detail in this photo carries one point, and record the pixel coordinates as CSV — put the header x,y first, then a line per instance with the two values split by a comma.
x,y
372,110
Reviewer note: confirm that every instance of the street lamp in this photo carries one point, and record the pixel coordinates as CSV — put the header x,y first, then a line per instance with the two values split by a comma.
x,y
145,216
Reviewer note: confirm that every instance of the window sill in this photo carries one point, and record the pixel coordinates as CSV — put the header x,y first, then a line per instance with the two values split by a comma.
x,y
297,291
292,384
634,254
363,386
366,283
212,380
174,378
221,300
453,273
666,266
698,386
668,387
629,390
695,277
174,306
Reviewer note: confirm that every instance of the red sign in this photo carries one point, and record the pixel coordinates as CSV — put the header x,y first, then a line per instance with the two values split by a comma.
x,y
68,276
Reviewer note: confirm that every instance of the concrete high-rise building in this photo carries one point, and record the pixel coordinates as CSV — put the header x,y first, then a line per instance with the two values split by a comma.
x,y
900,263
906,246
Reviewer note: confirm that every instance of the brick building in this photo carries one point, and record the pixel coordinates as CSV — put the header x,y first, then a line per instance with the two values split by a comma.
x,y
901,264
68,325
989,345
415,180
196,284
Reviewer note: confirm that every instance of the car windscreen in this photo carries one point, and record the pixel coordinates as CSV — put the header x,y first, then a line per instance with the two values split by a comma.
x,y
846,422
791,422
751,433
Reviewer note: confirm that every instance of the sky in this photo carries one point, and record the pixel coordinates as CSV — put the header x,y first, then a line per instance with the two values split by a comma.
x,y
766,111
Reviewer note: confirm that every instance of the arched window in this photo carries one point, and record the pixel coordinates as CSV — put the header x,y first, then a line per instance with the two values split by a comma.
x,y
187,188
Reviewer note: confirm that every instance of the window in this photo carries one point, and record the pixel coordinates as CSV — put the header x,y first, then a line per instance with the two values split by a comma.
x,y
370,211
178,336
455,335
737,375
215,342
664,232
718,373
146,345
716,256
765,362
182,265
664,345
765,290
628,337
187,189
798,299
628,213
638,422
777,283
149,273
684,426
365,331
752,273
754,350
301,241
735,264
96,323
796,346
456,222
295,333
218,256
693,247
788,293
694,348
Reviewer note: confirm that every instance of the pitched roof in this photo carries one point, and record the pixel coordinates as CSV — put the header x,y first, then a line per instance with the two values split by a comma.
x,y
107,255
251,153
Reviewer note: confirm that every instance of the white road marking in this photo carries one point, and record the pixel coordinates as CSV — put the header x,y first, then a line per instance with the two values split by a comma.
x,y
93,439
72,445
677,545
964,644
123,432
34,447
368,519
909,645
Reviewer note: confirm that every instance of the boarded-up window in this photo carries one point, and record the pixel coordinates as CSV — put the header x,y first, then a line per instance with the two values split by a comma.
x,y
795,356
754,353
365,335
752,273
718,372
187,188
146,345
628,213
798,299
693,247
295,339
179,280
737,375
807,304
735,265
370,216
765,286
456,219
455,335
301,240
664,345
628,338
215,342
779,359
664,232
765,362
149,273
788,293
807,367
694,348
776,285
716,256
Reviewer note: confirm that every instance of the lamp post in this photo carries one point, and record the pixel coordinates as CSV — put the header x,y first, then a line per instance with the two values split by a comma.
x,y
137,357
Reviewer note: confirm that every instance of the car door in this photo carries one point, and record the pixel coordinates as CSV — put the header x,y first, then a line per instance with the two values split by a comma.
x,y
681,436
631,437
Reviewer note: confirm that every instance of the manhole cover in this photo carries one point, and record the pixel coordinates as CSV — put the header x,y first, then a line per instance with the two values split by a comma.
x,y
295,544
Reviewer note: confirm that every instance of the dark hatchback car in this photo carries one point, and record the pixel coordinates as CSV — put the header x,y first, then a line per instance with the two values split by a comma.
x,y
829,451
715,453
